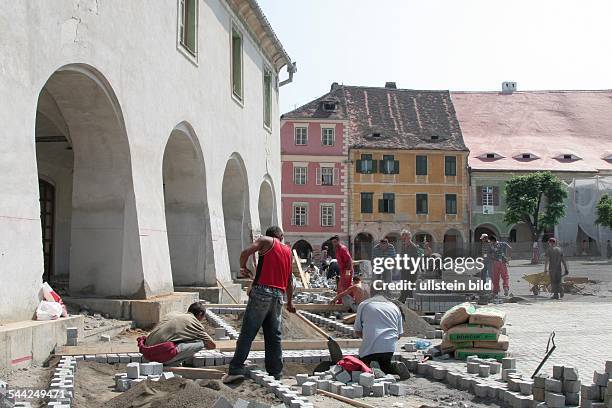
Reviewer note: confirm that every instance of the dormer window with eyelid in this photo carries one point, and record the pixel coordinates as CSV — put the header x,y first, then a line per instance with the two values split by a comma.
x,y
329,106
435,137
376,135
526,156
490,156
567,156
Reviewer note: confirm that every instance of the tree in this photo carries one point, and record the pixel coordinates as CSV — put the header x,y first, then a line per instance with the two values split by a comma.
x,y
604,211
537,199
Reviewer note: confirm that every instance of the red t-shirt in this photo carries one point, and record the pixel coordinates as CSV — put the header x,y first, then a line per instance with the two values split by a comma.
x,y
274,267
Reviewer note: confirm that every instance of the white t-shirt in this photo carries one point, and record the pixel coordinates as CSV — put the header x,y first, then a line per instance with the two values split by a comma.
x,y
380,321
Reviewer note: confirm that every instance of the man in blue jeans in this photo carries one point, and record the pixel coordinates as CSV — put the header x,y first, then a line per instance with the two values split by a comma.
x,y
272,279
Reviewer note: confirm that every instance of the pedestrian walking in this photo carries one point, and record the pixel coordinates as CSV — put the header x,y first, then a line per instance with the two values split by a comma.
x,y
552,266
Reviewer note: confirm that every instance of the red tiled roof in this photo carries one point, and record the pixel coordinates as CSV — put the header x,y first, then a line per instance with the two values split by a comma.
x,y
546,124
403,118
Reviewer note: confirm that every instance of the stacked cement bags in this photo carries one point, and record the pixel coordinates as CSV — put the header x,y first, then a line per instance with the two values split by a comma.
x,y
469,331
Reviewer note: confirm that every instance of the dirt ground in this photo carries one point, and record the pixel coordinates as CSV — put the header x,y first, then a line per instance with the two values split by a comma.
x,y
35,378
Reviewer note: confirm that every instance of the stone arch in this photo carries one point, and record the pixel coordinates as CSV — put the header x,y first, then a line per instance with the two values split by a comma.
x,y
267,205
453,243
81,143
363,244
186,209
303,249
486,229
236,213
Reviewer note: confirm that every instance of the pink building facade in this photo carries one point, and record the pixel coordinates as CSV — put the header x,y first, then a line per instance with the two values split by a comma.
x,y
314,184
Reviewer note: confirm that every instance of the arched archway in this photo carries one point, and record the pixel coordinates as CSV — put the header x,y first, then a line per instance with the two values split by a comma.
x,y
520,233
82,144
236,213
303,249
186,210
453,243
485,229
266,205
363,246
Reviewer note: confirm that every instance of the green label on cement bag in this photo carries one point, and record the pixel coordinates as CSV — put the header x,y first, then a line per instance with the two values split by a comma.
x,y
457,337
462,354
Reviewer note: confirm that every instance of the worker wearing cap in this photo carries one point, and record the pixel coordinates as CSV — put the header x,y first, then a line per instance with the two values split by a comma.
x,y
485,250
552,265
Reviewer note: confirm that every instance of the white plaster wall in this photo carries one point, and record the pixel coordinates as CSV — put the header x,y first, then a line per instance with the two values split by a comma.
x,y
134,46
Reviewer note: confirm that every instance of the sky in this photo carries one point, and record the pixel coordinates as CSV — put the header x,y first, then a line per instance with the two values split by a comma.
x,y
460,45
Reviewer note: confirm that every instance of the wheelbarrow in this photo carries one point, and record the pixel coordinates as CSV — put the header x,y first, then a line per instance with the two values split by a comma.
x,y
539,282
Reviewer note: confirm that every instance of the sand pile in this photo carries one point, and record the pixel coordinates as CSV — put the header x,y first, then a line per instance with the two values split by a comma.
x,y
179,393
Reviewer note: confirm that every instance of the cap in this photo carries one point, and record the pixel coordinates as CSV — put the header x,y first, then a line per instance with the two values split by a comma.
x,y
484,236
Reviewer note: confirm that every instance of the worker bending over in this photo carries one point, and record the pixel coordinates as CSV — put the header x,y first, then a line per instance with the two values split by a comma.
x,y
354,295
177,337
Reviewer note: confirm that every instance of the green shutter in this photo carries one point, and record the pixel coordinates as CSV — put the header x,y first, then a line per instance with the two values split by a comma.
x,y
358,166
374,167
237,64
383,170
380,205
192,21
396,166
392,204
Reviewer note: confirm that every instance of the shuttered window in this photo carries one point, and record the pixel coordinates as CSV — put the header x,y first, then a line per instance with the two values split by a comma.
x,y
188,25
422,204
236,63
366,203
388,165
387,203
450,166
451,203
421,165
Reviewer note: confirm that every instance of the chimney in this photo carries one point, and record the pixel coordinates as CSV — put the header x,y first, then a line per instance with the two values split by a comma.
x,y
334,86
508,87
390,85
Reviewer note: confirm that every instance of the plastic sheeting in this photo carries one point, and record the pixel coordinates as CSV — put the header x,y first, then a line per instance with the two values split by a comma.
x,y
580,214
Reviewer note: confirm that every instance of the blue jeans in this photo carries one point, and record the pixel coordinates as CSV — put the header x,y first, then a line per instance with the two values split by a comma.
x,y
264,310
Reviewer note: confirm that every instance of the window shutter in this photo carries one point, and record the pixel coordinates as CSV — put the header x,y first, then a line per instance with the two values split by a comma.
x,y
396,166
374,169
358,166
380,205
318,176
478,195
336,179
383,168
495,195
392,205
192,29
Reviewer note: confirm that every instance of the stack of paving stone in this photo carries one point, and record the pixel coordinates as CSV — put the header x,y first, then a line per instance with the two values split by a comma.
x,y
112,358
563,389
330,323
139,372
289,397
598,394
61,390
226,310
72,335
210,358
315,298
350,385
217,321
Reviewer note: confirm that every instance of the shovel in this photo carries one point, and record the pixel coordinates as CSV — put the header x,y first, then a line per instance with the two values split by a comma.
x,y
335,352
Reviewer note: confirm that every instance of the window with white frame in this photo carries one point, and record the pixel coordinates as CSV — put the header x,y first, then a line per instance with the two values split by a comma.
x,y
327,136
301,135
327,215
487,195
236,54
327,176
300,175
267,96
300,214
188,25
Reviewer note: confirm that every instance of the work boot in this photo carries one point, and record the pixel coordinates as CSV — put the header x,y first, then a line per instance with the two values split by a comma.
x,y
506,292
401,370
230,378
555,296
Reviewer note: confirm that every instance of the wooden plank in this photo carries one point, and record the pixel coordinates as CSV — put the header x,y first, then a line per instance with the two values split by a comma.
x,y
222,345
309,307
196,373
350,319
298,263
346,400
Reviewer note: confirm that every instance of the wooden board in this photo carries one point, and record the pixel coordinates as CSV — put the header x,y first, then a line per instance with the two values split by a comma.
x,y
350,319
309,307
196,373
222,345
298,263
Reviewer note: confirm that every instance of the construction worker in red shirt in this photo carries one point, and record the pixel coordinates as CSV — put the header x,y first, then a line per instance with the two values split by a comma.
x,y
345,263
273,279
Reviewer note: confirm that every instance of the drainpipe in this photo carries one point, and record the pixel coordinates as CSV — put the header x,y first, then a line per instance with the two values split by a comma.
x,y
291,69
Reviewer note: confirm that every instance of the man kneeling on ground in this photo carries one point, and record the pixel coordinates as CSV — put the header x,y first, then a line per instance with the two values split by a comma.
x,y
379,324
185,331
354,295
264,310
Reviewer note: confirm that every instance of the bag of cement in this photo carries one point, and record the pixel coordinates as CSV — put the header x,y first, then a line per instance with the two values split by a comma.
x,y
448,346
502,343
48,310
457,315
488,316
462,354
472,332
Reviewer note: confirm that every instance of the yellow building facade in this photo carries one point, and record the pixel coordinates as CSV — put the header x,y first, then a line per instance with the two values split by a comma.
x,y
423,191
